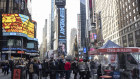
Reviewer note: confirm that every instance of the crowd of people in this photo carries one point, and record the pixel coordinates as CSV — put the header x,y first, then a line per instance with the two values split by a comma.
x,y
62,69
56,68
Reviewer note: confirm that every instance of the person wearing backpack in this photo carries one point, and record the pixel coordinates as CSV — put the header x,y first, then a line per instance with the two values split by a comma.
x,y
31,70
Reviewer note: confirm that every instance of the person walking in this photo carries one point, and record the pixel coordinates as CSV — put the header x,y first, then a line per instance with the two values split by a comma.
x,y
99,72
61,68
40,69
36,70
52,68
31,69
81,67
6,68
67,69
74,66
2,66
93,68
45,68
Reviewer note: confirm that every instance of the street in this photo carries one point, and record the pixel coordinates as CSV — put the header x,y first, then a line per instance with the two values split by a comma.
x,y
2,76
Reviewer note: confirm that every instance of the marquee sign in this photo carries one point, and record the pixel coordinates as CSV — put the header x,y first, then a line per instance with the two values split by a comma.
x,y
17,23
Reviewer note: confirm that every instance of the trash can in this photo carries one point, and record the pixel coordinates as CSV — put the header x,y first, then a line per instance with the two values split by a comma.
x,y
19,72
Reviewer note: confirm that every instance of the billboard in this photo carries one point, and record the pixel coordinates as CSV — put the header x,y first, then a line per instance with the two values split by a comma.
x,y
60,2
17,23
62,31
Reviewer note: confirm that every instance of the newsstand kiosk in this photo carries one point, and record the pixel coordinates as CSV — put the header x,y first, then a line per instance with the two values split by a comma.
x,y
19,72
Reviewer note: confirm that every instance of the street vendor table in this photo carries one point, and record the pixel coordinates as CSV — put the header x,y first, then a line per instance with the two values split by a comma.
x,y
105,76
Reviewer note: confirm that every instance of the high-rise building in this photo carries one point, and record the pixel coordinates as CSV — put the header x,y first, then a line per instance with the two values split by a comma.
x,y
79,30
52,22
107,20
60,33
43,46
129,23
72,40
83,21
18,30
120,21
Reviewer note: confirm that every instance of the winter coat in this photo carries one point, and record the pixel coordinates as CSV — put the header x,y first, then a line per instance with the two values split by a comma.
x,y
82,66
67,66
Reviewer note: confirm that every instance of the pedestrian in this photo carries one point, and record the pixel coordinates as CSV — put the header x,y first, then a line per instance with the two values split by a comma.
x,y
74,66
6,68
93,68
57,68
87,68
45,68
40,69
52,68
99,72
67,69
81,67
31,69
36,70
61,68
2,66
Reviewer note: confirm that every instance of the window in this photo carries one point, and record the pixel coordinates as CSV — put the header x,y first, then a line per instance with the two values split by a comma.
x,y
134,18
136,25
130,39
133,4
30,45
18,42
134,11
10,42
137,9
128,1
129,7
130,14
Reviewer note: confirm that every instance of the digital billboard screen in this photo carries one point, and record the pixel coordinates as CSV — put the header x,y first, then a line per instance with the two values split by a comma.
x,y
62,30
17,23
60,2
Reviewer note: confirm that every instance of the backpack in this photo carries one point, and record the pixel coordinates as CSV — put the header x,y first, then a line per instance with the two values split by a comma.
x,y
31,70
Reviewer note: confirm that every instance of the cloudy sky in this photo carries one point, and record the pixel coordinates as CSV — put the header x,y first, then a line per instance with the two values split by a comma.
x,y
42,8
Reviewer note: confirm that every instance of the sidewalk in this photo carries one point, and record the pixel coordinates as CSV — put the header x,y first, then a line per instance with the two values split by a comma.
x,y
2,76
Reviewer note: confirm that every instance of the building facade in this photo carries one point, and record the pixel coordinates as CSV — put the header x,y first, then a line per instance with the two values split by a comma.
x,y
119,21
107,20
129,23
18,30
73,36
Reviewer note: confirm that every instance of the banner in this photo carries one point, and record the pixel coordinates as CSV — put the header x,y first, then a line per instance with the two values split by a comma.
x,y
62,31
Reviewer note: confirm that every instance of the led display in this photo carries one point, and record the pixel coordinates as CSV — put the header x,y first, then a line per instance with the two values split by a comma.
x,y
17,23
62,31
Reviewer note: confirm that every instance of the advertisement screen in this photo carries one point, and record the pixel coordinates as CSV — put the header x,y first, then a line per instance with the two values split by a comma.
x,y
17,23
60,2
62,31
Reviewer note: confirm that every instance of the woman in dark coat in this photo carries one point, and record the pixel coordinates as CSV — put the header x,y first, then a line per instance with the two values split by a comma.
x,y
45,68
99,73
75,69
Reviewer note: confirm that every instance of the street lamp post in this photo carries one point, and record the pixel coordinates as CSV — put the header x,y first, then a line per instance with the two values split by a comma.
x,y
22,47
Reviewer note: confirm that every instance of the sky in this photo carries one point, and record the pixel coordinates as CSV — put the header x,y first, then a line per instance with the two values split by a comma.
x,y
41,9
